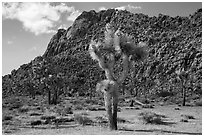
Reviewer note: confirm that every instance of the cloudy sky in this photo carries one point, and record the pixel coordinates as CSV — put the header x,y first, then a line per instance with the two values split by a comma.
x,y
28,27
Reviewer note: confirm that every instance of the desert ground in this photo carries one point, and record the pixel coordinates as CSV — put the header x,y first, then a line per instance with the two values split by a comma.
x,y
79,116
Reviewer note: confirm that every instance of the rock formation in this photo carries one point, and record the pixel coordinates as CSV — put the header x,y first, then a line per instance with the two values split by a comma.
x,y
173,43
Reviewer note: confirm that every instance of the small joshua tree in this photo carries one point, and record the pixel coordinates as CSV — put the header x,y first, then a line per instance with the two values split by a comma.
x,y
116,45
183,76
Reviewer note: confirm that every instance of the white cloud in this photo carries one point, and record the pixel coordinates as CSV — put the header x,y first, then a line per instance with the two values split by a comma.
x,y
33,49
129,7
62,27
120,8
62,7
102,8
9,42
38,18
133,7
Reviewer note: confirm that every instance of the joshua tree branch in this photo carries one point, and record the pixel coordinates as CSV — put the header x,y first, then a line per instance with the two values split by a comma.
x,y
102,63
109,70
125,69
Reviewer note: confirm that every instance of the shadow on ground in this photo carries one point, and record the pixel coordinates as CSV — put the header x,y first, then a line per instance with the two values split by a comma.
x,y
50,127
167,123
162,131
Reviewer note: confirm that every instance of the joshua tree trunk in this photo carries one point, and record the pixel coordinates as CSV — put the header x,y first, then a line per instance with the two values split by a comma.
x,y
111,104
55,97
115,109
184,93
108,105
49,97
33,94
110,97
184,97
111,92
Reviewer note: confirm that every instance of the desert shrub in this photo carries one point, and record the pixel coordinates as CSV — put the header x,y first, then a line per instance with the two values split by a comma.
x,y
95,108
198,103
101,120
68,110
35,114
92,108
121,120
101,109
23,109
184,120
164,94
91,101
84,113
177,108
151,118
78,107
47,117
148,106
5,118
144,101
82,119
135,108
189,104
63,119
76,102
187,116
36,122
15,105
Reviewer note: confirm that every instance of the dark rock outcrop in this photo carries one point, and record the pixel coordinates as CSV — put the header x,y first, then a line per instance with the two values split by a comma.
x,y
173,43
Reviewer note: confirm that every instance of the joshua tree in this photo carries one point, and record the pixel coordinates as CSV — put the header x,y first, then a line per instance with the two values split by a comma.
x,y
183,76
116,45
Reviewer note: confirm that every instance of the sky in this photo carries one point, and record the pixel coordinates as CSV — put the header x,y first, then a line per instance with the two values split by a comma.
x,y
28,27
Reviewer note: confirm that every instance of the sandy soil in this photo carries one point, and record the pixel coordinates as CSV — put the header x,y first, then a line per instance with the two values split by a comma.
x,y
173,124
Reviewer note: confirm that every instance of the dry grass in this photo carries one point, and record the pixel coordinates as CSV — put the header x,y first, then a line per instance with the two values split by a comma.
x,y
19,116
82,119
151,118
5,118
24,109
101,120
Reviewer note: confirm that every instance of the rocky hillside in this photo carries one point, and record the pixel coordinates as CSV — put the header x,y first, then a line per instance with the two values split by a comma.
x,y
173,43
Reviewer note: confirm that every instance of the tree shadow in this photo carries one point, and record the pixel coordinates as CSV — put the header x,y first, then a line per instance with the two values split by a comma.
x,y
166,123
162,131
50,127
